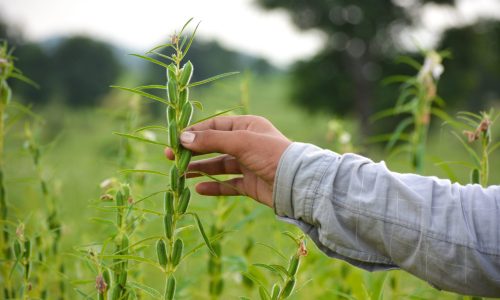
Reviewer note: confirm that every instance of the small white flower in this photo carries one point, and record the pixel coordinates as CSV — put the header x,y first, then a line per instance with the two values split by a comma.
x,y
345,138
432,66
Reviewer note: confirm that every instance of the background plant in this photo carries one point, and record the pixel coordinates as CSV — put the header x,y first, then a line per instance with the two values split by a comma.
x,y
418,98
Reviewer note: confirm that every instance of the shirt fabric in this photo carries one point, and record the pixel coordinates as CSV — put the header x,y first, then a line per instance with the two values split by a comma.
x,y
359,211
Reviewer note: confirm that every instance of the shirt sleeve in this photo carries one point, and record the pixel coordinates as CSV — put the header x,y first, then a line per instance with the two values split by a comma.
x,y
359,211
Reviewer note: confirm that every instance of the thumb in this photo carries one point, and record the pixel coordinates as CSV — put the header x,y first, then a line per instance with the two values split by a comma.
x,y
209,141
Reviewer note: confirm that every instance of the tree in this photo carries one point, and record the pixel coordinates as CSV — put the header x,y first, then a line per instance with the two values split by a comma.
x,y
362,38
85,69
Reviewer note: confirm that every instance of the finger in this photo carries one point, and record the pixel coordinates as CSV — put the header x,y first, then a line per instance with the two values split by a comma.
x,y
231,187
224,123
223,164
216,141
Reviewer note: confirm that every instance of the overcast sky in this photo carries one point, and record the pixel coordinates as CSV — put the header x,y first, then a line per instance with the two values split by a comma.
x,y
238,24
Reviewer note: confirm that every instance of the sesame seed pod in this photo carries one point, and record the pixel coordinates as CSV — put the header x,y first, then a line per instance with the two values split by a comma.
x,y
177,252
17,249
27,270
5,93
161,252
116,293
168,202
100,296
474,176
173,95
276,291
167,222
173,136
184,201
107,277
186,114
174,178
119,203
184,160
183,97
171,72
293,265
181,182
216,287
27,249
287,290
123,278
170,114
170,290
186,74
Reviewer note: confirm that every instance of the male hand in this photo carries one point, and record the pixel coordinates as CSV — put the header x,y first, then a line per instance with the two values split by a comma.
x,y
250,146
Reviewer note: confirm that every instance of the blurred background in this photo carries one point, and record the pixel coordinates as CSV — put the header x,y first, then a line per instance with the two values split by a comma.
x,y
313,67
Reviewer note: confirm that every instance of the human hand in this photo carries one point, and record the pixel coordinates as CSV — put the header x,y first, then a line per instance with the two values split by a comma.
x,y
250,146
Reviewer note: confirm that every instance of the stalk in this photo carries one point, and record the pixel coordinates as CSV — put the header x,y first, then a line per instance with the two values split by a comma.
x,y
5,93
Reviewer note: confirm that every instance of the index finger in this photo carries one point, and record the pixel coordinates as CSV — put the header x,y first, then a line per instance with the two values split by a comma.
x,y
223,123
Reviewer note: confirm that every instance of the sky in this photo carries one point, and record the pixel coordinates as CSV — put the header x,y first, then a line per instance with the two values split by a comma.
x,y
237,24
139,25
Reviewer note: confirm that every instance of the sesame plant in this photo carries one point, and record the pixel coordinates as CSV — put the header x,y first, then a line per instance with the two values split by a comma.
x,y
176,196
477,139
47,242
15,250
418,101
287,274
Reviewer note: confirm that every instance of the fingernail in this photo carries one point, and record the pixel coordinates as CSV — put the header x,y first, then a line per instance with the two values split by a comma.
x,y
187,137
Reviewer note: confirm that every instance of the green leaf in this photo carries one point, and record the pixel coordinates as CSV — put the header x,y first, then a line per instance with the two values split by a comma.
x,y
445,117
160,47
448,171
146,289
24,79
494,148
253,278
471,151
213,78
130,136
152,60
185,26
398,131
144,94
198,105
203,234
409,61
383,114
150,195
217,180
215,115
274,250
277,269
134,258
396,79
186,49
474,176
151,127
151,87
143,171
212,239
292,236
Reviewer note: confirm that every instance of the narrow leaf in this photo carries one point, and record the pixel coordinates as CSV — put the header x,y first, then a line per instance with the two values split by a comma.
x,y
146,289
144,94
151,127
213,78
215,115
151,87
130,136
186,49
143,171
152,60
203,234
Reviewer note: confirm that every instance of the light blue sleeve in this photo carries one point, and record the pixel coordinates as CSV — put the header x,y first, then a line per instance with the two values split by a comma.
x,y
359,211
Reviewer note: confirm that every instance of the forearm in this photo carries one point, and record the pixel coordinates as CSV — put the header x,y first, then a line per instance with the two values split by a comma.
x,y
359,211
